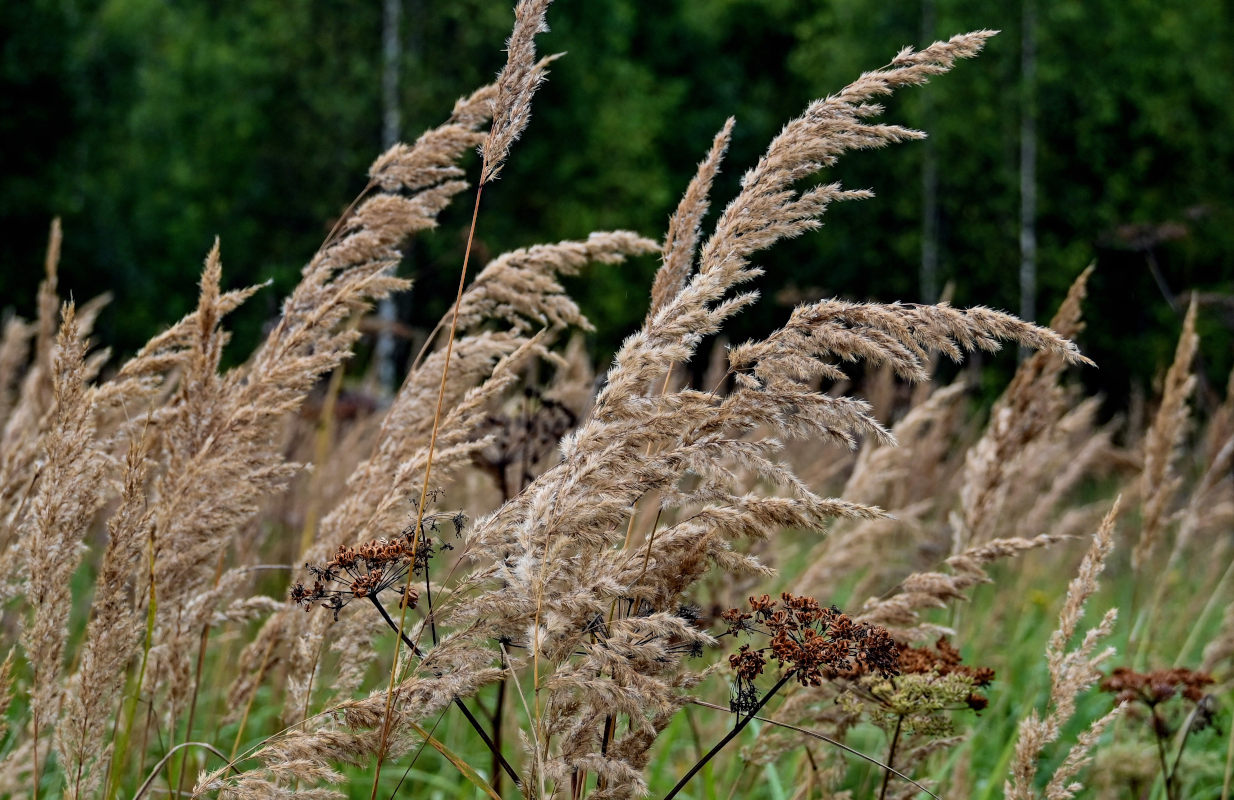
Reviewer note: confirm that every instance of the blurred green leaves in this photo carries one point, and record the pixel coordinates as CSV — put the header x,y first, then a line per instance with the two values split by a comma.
x,y
153,125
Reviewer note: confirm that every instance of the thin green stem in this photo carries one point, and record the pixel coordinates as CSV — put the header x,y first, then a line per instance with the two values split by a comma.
x,y
1229,766
1188,725
833,742
1215,597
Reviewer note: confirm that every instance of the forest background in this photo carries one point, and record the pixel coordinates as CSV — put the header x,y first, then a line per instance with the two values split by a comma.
x,y
1095,131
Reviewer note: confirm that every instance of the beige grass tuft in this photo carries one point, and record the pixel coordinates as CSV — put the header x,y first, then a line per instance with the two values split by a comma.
x,y
1160,481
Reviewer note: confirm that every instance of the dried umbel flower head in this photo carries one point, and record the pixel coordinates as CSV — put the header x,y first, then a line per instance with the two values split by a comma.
x,y
931,682
916,708
523,439
366,570
357,572
1158,686
1151,692
918,703
811,643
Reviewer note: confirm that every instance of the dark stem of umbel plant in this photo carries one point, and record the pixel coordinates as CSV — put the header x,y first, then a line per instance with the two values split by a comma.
x,y
475,723
741,724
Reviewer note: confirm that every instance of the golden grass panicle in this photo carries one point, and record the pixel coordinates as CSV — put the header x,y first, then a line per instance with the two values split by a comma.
x,y
1071,672
684,226
1220,428
910,479
6,690
1027,412
427,173
112,636
898,612
768,209
14,350
516,84
512,289
377,501
70,488
347,274
520,288
28,418
1160,481
432,159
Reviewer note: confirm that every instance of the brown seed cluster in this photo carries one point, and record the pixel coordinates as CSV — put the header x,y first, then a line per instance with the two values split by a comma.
x,y
747,663
812,643
360,572
1158,686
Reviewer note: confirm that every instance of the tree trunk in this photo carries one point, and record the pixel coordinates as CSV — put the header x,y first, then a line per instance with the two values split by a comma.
x,y
387,309
1028,163
928,283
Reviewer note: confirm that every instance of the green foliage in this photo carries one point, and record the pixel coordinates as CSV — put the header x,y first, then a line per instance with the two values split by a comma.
x,y
152,126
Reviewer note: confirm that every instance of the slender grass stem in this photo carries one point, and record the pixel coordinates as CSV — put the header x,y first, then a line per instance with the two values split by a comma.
x,y
1228,774
423,744
34,780
201,663
145,786
458,702
1200,626
248,705
346,215
1188,725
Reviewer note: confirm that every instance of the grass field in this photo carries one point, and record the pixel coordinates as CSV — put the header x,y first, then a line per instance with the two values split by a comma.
x,y
812,567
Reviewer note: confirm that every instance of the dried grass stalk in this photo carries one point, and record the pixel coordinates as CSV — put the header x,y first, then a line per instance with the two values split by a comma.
x,y
112,636
684,226
1160,481
1071,672
14,348
28,420
516,84
899,612
1027,412
69,490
